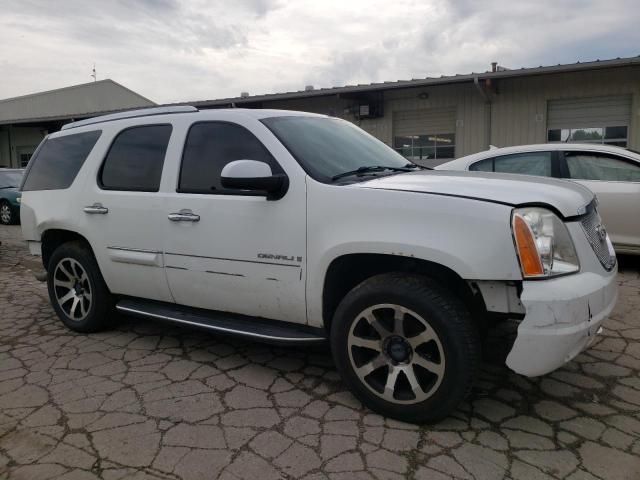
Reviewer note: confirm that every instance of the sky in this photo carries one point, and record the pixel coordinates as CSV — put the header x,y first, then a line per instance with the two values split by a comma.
x,y
172,50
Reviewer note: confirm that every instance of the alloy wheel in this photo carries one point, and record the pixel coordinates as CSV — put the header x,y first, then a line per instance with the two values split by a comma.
x,y
5,213
396,353
72,289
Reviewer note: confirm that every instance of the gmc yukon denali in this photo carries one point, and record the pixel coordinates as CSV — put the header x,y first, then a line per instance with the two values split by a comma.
x,y
295,228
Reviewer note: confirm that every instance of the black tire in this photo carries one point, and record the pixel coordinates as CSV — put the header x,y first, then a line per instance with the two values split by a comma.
x,y
8,216
440,310
98,311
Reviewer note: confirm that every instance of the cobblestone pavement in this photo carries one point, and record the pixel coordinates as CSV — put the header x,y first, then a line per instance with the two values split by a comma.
x,y
150,401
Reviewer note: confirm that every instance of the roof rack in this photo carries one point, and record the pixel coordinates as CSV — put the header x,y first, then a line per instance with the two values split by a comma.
x,y
142,112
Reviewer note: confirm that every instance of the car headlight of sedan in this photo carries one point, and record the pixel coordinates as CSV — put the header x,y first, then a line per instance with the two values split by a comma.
x,y
543,243
18,199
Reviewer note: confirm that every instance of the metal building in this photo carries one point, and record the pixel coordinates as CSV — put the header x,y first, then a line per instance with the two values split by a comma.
x,y
25,120
434,119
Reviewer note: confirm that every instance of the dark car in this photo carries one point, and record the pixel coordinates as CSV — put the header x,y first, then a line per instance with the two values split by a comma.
x,y
10,195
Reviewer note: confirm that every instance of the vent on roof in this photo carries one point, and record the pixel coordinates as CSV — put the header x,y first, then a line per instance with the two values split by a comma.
x,y
308,88
244,94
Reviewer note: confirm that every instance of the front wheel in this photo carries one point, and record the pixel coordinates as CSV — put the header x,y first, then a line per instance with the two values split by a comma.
x,y
77,290
406,347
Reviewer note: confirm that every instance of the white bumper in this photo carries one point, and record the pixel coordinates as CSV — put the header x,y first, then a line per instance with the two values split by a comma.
x,y
563,316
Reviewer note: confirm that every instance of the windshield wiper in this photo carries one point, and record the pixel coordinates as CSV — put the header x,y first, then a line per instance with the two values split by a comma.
x,y
369,169
4,188
415,165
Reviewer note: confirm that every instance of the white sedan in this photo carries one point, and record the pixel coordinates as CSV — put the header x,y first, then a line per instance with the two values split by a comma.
x,y
612,173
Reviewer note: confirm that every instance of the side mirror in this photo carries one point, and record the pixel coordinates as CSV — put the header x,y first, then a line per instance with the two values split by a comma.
x,y
256,176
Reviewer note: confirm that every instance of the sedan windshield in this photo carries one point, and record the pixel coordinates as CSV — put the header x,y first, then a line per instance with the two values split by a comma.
x,y
330,149
10,179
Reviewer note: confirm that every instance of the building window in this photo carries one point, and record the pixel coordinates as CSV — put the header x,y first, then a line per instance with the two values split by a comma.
x,y
24,159
424,147
617,135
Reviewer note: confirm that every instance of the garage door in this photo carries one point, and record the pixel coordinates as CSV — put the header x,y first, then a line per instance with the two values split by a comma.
x,y
592,119
425,134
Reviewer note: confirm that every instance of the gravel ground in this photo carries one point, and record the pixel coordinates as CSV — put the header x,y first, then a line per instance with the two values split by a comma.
x,y
150,401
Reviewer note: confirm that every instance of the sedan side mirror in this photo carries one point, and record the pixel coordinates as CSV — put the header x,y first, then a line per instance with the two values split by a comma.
x,y
255,176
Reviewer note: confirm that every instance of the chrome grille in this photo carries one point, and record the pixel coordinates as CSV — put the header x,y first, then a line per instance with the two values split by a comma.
x,y
597,236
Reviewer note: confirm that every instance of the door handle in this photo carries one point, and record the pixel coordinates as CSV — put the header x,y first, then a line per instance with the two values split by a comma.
x,y
96,209
184,215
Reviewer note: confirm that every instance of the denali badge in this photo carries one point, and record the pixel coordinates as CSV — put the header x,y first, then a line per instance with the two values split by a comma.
x,y
286,258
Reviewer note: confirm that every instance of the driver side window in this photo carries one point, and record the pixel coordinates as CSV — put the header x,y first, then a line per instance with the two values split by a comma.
x,y
593,166
212,145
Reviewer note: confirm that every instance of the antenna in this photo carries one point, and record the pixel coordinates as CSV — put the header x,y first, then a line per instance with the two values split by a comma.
x,y
93,73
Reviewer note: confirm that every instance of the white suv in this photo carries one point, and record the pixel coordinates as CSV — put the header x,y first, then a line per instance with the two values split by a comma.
x,y
295,228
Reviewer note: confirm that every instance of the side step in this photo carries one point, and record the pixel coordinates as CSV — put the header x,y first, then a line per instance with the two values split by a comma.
x,y
259,329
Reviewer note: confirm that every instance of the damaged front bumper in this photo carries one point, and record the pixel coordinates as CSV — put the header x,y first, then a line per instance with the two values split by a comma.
x,y
563,316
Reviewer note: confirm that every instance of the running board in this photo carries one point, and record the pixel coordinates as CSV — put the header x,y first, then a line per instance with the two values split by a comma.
x,y
259,329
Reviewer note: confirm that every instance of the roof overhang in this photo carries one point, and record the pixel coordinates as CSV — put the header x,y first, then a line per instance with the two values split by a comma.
x,y
417,83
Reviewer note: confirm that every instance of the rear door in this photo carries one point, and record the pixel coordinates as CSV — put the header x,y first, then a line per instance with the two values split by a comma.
x,y
616,182
122,212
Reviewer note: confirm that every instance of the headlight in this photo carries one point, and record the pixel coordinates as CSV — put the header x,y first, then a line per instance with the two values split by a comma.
x,y
18,199
543,243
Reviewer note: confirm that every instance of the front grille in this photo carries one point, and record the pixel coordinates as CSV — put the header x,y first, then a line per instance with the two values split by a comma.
x,y
594,229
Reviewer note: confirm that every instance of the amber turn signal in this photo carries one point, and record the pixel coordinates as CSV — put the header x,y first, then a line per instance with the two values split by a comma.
x,y
526,247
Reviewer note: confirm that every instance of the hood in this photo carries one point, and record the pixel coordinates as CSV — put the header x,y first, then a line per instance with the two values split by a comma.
x,y
10,194
569,198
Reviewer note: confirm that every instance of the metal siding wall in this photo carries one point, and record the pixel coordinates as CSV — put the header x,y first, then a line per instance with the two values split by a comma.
x,y
519,110
463,99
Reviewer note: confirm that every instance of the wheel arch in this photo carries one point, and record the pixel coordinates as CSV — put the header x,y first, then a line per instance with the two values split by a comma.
x,y
347,271
52,238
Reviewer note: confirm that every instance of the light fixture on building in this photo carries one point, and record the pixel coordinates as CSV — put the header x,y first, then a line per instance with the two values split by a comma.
x,y
423,95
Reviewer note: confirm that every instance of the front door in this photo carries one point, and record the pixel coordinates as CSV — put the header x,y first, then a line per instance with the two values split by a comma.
x,y
231,250
122,212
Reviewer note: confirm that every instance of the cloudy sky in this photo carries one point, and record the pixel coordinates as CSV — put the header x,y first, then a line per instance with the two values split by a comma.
x,y
176,50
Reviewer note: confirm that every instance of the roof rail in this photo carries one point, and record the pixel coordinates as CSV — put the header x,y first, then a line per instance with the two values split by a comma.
x,y
142,112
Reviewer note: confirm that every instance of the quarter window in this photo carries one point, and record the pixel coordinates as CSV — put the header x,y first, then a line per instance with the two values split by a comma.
x,y
530,163
212,145
425,147
58,161
590,166
135,159
613,135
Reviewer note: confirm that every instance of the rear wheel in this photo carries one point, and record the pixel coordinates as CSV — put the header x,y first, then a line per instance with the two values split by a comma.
x,y
406,347
6,213
77,290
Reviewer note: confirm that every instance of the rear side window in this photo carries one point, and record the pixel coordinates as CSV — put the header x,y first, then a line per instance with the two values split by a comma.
x,y
212,145
482,166
135,160
530,163
58,161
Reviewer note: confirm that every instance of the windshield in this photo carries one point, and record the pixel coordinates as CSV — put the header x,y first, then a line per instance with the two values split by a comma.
x,y
10,179
329,147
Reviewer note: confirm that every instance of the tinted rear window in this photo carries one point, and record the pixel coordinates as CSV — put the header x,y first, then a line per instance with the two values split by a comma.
x,y
135,159
58,161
